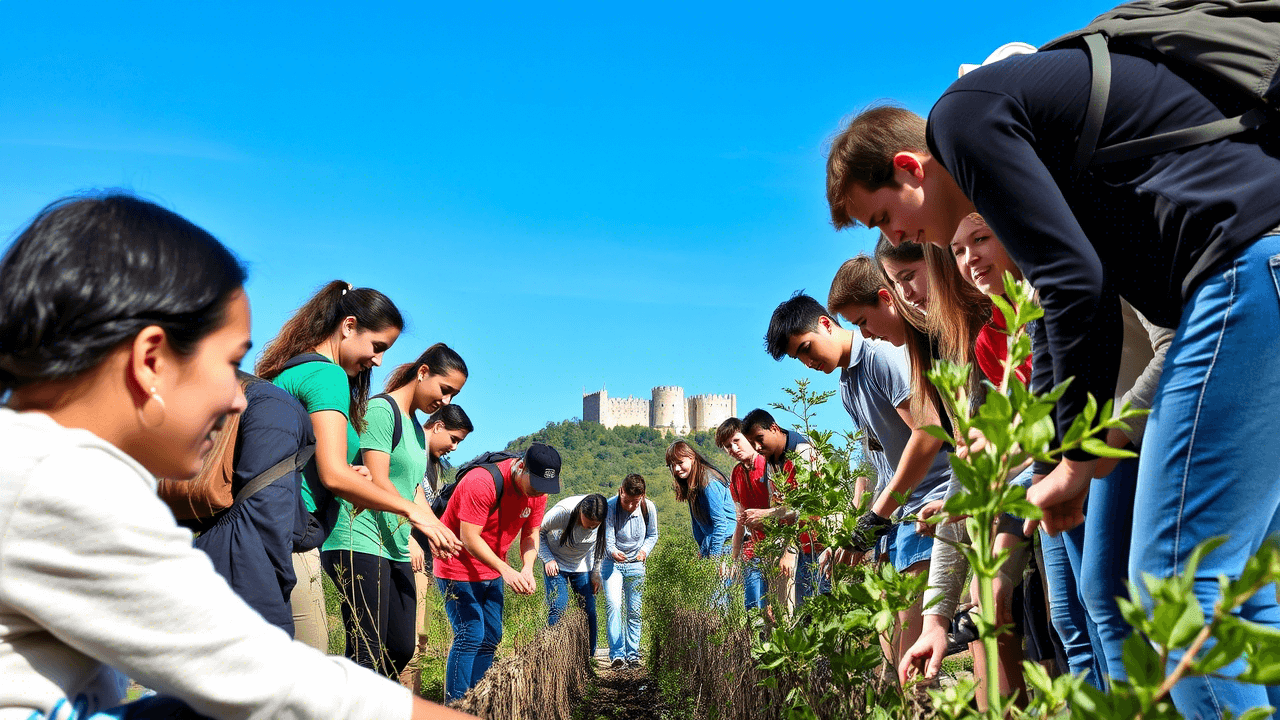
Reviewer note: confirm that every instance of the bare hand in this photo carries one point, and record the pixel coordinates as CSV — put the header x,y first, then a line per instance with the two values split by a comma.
x,y
728,570
618,556
977,443
519,582
754,517
595,583
1060,495
444,544
924,658
925,528
551,568
641,556
787,565
417,558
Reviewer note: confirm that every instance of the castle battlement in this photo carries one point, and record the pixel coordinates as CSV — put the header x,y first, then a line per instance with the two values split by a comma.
x,y
667,409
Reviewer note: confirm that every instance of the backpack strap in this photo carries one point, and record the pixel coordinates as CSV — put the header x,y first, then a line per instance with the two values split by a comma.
x,y
1095,45
293,463
498,483
302,359
397,429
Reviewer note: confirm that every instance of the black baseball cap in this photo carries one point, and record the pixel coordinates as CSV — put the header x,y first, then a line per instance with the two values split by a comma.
x,y
543,463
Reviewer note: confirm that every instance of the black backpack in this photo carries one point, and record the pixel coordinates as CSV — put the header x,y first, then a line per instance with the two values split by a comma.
x,y
397,428
1237,41
489,461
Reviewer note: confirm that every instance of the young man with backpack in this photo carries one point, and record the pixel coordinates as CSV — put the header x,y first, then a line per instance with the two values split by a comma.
x,y
494,500
1186,232
631,531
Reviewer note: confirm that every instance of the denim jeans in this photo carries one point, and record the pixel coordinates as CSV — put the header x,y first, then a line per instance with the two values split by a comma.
x,y
755,590
623,583
1210,458
1104,563
1066,612
558,599
474,610
809,581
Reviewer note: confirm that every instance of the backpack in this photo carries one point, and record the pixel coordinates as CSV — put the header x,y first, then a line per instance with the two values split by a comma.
x,y
1236,41
489,461
199,502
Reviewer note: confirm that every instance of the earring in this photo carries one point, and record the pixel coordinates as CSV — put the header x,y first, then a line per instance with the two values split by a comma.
x,y
146,416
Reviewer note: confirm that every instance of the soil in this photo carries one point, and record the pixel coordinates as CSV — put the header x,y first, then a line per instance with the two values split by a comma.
x,y
626,694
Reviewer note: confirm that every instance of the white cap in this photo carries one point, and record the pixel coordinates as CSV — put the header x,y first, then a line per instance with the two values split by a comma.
x,y
1002,52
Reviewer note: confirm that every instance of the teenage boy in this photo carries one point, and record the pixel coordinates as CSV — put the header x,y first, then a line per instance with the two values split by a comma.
x,y
1188,236
876,392
776,445
472,581
751,490
630,532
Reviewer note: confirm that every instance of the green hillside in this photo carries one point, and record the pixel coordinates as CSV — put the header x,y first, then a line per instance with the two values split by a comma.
x,y
596,459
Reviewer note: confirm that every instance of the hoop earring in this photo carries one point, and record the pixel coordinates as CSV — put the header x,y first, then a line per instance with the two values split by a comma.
x,y
144,416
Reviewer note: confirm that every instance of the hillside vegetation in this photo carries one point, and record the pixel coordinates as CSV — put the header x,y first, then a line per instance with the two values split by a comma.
x,y
596,459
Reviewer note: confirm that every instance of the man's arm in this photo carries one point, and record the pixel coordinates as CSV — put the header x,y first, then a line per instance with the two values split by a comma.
x,y
917,457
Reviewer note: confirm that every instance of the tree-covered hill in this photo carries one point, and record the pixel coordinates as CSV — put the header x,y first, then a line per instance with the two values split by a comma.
x,y
596,459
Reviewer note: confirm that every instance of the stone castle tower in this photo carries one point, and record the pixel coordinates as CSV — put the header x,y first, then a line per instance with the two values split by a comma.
x,y
668,409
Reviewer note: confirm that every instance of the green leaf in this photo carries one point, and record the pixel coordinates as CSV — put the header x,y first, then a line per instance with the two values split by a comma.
x,y
1097,447
1141,662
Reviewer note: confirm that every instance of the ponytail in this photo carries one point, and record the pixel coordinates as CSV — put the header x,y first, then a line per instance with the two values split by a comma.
x,y
438,359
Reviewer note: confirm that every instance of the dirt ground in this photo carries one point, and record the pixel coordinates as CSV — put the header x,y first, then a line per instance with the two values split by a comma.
x,y
626,694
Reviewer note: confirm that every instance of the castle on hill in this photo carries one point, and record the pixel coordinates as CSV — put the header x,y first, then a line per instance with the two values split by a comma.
x,y
668,409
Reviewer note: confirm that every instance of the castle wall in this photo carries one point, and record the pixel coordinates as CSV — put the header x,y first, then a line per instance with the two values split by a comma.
x,y
669,410
595,408
629,411
706,412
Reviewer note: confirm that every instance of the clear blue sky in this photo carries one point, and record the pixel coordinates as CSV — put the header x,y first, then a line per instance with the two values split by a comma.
x,y
570,194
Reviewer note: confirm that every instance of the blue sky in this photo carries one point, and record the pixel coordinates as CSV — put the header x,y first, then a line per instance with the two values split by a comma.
x,y
570,194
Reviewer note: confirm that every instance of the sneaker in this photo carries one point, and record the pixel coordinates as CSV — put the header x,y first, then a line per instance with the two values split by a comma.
x,y
633,662
618,664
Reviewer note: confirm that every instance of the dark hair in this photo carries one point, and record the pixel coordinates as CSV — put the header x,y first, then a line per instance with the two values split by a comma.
x,y
633,485
857,282
453,417
905,252
793,317
702,472
438,358
862,154
755,419
91,272
317,319
726,431
593,507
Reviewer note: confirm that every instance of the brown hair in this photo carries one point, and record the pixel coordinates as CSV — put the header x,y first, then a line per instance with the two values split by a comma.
x,y
317,320
857,282
438,359
905,253
633,485
862,154
702,472
726,431
957,312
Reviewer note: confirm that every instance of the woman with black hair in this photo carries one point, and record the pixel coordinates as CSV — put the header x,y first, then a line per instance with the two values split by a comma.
x,y
324,356
367,554
121,327
571,549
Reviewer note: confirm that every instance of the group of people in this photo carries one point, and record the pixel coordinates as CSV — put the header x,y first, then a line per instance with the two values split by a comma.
x,y
122,326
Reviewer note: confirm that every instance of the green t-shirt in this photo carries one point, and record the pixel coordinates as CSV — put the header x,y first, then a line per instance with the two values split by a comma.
x,y
384,534
320,385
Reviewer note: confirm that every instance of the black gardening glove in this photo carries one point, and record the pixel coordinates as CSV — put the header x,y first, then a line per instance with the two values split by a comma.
x,y
868,530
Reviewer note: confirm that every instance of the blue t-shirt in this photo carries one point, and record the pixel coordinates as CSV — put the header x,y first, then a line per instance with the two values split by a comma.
x,y
871,388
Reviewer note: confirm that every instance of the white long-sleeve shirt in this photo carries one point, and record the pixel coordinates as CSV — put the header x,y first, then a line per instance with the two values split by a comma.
x,y
94,574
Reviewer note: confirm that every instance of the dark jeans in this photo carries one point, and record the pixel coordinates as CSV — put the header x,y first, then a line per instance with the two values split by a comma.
x,y
475,612
379,606
558,599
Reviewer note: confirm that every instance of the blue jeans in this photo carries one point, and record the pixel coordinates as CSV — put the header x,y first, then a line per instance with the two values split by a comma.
x,y
623,583
1210,460
1066,612
755,591
474,610
1104,562
809,581
558,599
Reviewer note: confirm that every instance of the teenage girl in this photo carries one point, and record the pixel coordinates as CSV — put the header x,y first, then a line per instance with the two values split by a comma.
x,y
324,356
367,554
109,385
696,481
572,550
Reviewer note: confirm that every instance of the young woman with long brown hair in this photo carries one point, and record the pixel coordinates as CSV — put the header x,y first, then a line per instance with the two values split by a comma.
x,y
696,481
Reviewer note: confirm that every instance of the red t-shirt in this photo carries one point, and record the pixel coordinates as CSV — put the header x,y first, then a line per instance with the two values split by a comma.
x,y
805,540
471,502
751,492
992,348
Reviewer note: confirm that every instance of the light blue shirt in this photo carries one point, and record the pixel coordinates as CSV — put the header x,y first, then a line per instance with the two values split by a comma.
x,y
628,535
876,382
